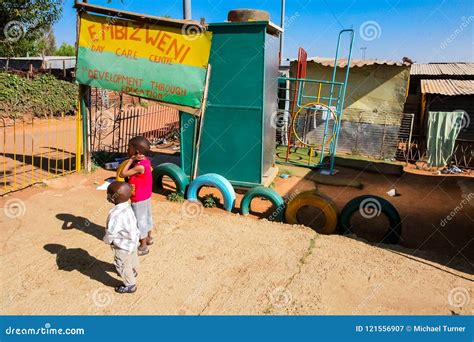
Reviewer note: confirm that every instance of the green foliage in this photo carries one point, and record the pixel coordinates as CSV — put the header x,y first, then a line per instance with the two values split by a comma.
x,y
175,197
210,201
95,165
65,50
44,95
49,42
24,25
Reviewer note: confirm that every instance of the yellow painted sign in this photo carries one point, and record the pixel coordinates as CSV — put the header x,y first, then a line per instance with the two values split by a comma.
x,y
159,62
157,43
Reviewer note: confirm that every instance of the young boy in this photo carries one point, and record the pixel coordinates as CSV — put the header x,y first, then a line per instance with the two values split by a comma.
x,y
138,172
123,235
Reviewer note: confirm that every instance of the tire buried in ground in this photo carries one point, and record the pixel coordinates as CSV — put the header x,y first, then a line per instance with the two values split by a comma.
x,y
267,193
370,206
318,200
214,180
173,171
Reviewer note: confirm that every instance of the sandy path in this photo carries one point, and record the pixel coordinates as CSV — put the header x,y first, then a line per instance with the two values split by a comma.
x,y
214,263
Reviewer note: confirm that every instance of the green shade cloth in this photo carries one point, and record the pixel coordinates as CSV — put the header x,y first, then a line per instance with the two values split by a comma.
x,y
443,129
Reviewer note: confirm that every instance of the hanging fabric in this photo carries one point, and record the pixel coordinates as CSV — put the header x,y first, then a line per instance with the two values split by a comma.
x,y
443,129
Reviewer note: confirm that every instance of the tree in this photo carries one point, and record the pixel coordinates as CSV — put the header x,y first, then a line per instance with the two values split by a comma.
x,y
65,50
49,42
24,25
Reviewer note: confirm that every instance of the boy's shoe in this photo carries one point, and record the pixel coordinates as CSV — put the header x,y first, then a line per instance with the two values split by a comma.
x,y
143,251
126,289
149,241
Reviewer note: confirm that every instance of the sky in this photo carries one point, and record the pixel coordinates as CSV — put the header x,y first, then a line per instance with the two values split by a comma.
x,y
423,30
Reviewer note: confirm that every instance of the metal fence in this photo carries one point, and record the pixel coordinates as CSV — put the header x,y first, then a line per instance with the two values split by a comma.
x,y
373,135
415,151
36,149
463,155
116,118
111,130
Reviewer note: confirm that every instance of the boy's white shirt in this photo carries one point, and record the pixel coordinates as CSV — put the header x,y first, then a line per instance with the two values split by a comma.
x,y
122,229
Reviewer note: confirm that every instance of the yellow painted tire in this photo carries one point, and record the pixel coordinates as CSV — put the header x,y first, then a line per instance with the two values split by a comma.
x,y
314,199
119,169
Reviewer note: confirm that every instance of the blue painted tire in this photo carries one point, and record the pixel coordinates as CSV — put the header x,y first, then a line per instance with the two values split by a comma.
x,y
269,194
173,171
217,181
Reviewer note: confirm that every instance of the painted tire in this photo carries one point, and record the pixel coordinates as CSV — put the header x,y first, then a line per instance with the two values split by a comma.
x,y
269,194
217,181
315,199
372,206
119,169
241,15
173,171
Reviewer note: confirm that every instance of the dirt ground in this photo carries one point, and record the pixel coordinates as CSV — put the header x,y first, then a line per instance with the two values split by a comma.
x,y
207,261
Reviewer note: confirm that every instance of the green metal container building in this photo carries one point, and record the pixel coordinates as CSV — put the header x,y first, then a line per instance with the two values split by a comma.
x,y
237,134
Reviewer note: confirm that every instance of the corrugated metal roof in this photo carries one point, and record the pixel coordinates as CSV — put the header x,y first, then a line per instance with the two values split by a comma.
x,y
443,69
46,62
342,62
40,58
448,87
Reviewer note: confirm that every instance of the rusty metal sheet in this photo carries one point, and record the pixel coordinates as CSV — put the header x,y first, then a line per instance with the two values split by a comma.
x,y
448,87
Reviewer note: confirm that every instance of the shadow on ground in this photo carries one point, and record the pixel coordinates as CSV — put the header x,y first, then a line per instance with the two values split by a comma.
x,y
78,259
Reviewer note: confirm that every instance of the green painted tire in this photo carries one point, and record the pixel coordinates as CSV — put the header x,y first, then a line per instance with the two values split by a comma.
x,y
371,206
269,194
173,171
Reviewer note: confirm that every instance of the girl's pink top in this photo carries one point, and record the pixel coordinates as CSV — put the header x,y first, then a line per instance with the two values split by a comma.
x,y
141,183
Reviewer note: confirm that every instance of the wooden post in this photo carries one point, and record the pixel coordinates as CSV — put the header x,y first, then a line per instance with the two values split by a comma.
x,y
383,136
84,127
422,111
409,137
84,101
200,123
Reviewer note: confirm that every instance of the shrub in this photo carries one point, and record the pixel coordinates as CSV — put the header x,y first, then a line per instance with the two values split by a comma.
x,y
175,197
41,96
210,201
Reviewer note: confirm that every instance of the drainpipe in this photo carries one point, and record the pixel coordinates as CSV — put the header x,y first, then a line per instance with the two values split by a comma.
x,y
187,9
282,24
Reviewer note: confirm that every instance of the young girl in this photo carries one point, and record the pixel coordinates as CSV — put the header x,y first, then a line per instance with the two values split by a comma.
x,y
138,171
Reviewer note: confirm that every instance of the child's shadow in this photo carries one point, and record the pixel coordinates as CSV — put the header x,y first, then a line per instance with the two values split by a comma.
x,y
81,223
70,259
